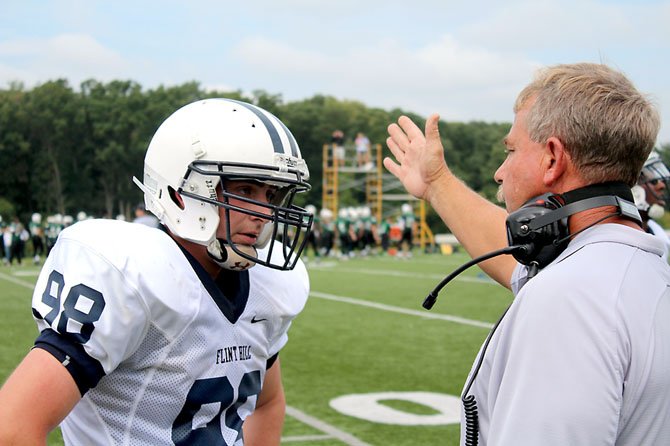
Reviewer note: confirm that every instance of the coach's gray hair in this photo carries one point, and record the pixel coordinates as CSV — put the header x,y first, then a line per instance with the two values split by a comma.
x,y
606,125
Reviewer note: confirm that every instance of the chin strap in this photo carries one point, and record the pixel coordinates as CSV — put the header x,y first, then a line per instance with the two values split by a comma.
x,y
656,211
226,257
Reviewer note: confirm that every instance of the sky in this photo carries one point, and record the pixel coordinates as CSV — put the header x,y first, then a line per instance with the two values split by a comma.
x,y
465,60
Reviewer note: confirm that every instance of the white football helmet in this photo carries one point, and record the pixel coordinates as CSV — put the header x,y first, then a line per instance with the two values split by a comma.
x,y
653,171
326,214
36,218
204,144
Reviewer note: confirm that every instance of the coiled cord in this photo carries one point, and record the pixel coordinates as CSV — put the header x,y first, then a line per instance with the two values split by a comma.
x,y
471,420
469,402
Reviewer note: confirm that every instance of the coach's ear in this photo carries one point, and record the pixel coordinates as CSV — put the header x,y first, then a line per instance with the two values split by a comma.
x,y
556,161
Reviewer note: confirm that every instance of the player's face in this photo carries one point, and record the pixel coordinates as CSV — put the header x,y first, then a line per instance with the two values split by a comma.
x,y
245,228
654,191
519,175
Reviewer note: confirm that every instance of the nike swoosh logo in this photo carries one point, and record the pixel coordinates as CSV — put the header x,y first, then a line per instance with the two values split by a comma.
x,y
254,320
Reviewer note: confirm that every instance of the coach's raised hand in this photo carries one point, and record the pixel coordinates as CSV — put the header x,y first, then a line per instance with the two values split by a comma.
x,y
478,224
420,159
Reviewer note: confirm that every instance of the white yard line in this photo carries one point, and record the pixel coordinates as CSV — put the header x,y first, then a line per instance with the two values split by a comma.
x,y
325,427
16,281
384,307
300,438
29,273
393,273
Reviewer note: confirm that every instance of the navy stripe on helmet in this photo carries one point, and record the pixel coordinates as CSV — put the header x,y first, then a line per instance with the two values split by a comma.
x,y
291,140
272,130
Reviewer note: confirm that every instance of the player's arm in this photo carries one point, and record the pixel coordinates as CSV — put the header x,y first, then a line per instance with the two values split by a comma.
x,y
264,426
478,224
36,397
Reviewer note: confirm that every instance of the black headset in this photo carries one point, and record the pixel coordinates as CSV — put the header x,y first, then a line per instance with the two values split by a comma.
x,y
538,231
541,224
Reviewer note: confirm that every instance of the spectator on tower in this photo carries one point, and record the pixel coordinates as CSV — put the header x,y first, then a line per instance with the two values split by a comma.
x,y
362,151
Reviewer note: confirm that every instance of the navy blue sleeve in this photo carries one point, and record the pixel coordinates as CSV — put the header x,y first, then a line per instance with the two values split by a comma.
x,y
85,371
271,361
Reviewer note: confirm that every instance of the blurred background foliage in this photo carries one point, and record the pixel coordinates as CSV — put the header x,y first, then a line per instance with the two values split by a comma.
x,y
65,150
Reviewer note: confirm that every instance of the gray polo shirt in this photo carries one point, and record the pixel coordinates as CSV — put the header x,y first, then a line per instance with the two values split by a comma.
x,y
583,355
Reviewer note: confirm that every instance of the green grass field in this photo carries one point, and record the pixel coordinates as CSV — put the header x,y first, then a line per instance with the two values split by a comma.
x,y
363,331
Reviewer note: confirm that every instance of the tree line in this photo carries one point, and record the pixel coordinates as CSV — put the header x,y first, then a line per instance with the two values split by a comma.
x,y
65,150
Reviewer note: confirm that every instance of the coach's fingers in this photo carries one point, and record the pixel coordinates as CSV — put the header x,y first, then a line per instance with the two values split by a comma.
x,y
392,167
397,152
398,136
412,131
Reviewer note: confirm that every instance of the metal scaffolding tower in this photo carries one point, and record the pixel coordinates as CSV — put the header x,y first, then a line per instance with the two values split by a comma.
x,y
340,175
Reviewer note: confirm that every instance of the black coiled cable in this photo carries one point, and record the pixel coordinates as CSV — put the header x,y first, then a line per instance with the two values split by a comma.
x,y
469,402
471,420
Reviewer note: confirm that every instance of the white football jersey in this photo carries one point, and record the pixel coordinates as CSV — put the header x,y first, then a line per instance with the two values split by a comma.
x,y
165,354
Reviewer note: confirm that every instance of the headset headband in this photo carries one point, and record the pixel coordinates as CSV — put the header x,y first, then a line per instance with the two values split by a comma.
x,y
626,209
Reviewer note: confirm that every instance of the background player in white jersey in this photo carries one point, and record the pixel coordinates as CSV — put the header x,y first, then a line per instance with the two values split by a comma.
x,y
170,337
407,223
37,236
652,195
582,355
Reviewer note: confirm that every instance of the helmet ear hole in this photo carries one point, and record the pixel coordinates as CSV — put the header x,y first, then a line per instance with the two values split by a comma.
x,y
176,198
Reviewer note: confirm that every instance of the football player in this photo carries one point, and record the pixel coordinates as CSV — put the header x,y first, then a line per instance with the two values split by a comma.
x,y
327,230
652,194
314,238
171,337
37,235
407,221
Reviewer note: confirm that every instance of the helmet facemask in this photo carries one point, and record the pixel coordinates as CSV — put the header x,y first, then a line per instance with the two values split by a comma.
x,y
286,228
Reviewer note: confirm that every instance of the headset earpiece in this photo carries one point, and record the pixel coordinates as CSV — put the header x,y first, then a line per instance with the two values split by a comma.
x,y
544,243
